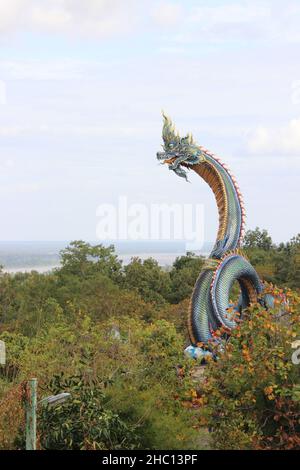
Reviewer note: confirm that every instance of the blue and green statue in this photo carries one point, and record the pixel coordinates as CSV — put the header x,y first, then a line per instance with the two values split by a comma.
x,y
209,306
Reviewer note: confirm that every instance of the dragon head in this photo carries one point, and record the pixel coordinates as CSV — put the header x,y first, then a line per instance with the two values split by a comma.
x,y
178,150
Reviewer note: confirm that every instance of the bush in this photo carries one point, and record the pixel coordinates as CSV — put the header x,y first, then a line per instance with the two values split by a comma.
x,y
148,279
83,422
251,395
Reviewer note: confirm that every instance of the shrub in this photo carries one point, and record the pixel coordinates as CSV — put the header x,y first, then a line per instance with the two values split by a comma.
x,y
251,394
83,422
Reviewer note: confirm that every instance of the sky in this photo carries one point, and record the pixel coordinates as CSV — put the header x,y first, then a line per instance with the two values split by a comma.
x,y
82,86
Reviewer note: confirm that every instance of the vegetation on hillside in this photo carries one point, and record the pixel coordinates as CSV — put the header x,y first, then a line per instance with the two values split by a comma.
x,y
114,335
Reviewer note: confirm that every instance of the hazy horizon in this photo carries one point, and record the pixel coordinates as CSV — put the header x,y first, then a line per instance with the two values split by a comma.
x,y
44,256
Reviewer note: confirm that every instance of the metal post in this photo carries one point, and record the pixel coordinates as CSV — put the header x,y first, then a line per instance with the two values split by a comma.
x,y
30,410
2,353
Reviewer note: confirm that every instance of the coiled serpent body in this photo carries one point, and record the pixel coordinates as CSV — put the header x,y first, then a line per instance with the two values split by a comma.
x,y
209,306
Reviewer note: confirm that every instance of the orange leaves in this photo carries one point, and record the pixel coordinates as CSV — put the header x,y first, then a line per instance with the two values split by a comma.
x,y
220,332
230,309
246,353
217,333
269,392
196,400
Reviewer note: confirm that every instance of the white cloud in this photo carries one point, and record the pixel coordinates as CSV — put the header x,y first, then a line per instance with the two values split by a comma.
x,y
75,130
13,131
230,13
54,19
174,50
7,163
284,140
232,21
107,18
13,14
20,188
101,18
44,69
167,14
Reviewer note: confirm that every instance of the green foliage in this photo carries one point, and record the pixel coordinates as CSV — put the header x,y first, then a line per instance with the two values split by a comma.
x,y
250,394
183,276
83,422
257,239
162,347
276,264
26,301
288,263
15,344
149,392
163,422
114,337
83,260
148,279
135,373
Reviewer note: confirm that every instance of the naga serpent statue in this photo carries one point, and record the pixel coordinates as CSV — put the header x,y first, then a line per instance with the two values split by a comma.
x,y
209,306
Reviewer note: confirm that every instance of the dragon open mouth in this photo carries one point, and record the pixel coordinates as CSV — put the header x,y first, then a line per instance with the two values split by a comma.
x,y
170,160
165,158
